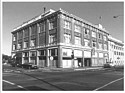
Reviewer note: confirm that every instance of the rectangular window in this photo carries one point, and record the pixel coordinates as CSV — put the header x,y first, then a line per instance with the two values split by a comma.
x,y
33,53
105,38
20,35
41,52
26,32
100,45
33,29
77,28
42,27
52,39
53,52
77,40
67,24
26,54
67,38
19,45
87,42
14,38
105,47
93,34
52,23
86,32
26,44
14,47
32,43
99,36
93,43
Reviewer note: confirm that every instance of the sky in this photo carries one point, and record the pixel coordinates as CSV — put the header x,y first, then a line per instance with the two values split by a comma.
x,y
15,13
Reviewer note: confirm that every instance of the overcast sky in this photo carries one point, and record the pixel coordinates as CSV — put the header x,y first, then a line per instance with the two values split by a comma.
x,y
15,13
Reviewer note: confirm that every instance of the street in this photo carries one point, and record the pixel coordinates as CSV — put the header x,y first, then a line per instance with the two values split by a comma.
x,y
98,80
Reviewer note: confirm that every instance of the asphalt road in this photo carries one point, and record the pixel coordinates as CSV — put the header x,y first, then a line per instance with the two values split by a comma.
x,y
99,80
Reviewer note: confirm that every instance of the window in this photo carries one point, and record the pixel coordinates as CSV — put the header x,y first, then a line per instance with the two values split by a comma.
x,y
20,35
77,28
77,40
87,42
67,38
99,36
42,27
53,52
93,34
105,38
26,54
32,43
14,47
86,32
105,46
100,45
67,24
19,45
52,38
26,32
52,23
33,29
26,44
42,53
93,43
14,38
32,54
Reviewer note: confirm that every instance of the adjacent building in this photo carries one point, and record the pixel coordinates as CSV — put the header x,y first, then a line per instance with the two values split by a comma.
x,y
116,51
60,39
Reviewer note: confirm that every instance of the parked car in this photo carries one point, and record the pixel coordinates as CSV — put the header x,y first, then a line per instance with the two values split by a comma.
x,y
109,65
29,66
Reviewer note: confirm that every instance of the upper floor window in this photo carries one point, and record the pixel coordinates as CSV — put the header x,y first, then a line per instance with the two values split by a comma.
x,y
105,38
77,40
105,47
26,32
42,27
20,35
86,32
14,47
100,45
52,23
19,45
67,38
33,29
87,42
32,43
93,34
93,43
14,38
77,28
67,24
99,36
26,44
52,38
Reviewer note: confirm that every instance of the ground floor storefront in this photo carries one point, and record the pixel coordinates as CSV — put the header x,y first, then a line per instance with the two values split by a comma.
x,y
63,57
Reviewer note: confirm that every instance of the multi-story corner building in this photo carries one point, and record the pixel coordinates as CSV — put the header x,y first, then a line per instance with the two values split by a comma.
x,y
116,51
60,39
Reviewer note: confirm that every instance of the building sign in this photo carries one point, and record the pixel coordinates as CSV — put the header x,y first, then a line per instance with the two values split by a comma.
x,y
77,53
87,54
66,52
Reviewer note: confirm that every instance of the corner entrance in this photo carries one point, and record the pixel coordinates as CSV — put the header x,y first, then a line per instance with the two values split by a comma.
x,y
87,62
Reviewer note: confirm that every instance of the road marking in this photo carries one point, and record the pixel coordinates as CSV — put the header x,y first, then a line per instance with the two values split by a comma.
x,y
108,84
14,84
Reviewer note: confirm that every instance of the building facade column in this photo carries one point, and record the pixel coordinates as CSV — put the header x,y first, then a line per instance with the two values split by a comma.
x,y
60,57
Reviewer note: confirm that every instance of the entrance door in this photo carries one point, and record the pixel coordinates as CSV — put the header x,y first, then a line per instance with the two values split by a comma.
x,y
87,62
